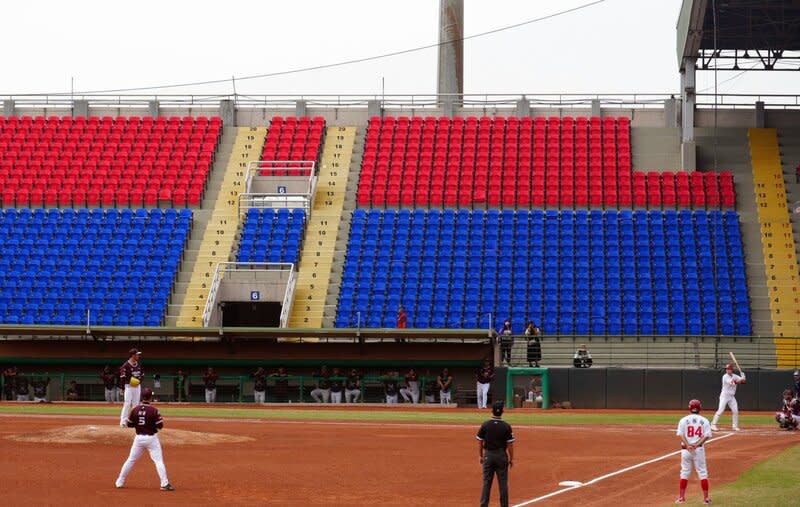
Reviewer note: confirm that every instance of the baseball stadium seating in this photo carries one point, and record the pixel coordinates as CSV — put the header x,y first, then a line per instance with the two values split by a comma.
x,y
122,161
540,162
272,235
293,138
117,264
615,272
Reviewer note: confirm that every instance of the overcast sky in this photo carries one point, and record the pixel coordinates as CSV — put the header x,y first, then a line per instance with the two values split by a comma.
x,y
619,46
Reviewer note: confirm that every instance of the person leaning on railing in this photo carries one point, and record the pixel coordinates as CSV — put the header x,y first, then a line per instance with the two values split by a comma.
x,y
582,357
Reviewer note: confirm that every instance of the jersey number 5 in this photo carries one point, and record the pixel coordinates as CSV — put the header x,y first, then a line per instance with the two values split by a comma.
x,y
141,422
691,431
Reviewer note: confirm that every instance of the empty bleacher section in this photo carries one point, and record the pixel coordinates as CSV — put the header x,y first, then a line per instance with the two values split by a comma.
x,y
291,138
553,162
317,257
122,161
777,240
599,272
272,235
219,235
119,265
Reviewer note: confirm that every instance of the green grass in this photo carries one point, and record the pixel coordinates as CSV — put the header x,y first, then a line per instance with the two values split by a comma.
x,y
554,417
772,483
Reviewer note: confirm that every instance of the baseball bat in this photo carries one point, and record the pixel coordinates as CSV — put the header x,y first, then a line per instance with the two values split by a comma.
x,y
735,362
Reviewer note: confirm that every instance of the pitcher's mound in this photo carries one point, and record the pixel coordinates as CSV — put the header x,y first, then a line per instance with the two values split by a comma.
x,y
107,434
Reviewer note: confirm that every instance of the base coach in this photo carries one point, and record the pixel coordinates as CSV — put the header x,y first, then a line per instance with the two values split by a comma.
x,y
496,449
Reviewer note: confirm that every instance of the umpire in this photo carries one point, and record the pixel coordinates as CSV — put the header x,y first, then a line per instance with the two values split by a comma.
x,y
496,449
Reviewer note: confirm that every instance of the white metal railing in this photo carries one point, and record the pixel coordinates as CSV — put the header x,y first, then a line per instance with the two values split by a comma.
x,y
265,169
225,268
405,101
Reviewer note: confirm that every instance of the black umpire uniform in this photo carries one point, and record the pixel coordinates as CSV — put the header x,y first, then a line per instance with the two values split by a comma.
x,y
496,447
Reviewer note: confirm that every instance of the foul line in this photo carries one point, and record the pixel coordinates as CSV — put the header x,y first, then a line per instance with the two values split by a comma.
x,y
612,474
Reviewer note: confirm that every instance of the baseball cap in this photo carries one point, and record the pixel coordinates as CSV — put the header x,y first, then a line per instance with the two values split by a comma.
x,y
497,408
134,352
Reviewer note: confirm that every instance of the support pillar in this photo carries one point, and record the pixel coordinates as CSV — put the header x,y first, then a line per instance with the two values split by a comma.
x,y
523,107
596,111
760,121
688,148
300,108
374,108
80,108
227,111
9,108
448,106
671,113
450,75
153,108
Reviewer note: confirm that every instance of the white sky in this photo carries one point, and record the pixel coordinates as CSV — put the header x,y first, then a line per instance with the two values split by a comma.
x,y
620,46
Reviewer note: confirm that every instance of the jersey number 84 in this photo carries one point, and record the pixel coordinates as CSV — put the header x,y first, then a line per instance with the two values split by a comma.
x,y
692,431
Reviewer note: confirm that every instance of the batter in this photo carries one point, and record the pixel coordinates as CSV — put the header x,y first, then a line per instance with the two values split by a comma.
x,y
727,397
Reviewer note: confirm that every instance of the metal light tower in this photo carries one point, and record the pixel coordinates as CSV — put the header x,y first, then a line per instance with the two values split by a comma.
x,y
450,75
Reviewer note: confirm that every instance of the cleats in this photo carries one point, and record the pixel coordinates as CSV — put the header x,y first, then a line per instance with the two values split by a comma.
x,y
168,487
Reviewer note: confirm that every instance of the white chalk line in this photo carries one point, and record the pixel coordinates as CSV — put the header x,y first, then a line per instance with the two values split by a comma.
x,y
612,474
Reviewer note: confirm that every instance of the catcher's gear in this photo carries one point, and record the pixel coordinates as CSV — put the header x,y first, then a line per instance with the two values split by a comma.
x,y
695,406
134,382
147,394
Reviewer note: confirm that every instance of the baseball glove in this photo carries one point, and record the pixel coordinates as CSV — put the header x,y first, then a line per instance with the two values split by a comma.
x,y
134,382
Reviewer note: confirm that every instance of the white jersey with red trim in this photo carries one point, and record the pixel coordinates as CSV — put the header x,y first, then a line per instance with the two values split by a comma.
x,y
694,427
729,383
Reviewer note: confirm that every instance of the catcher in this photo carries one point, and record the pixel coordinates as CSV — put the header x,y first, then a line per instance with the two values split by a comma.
x,y
788,416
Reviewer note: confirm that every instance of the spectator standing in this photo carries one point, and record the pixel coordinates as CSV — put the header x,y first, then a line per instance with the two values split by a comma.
x,y
259,385
39,387
496,450
445,383
582,357
506,338
483,379
210,381
72,391
10,383
281,385
390,387
337,386
110,382
532,335
410,392
22,389
322,394
352,387
402,322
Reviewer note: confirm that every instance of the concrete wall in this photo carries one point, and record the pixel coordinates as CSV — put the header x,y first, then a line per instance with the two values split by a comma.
x,y
293,184
662,388
237,286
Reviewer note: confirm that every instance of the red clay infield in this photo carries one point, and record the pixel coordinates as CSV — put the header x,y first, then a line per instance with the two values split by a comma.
x,y
355,464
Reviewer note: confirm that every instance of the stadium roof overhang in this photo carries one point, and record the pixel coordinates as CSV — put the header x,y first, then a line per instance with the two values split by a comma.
x,y
749,35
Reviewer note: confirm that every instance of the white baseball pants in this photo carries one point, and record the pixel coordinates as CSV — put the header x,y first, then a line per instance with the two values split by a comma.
x,y
351,395
445,398
696,458
131,399
730,402
483,394
321,395
23,397
430,398
211,395
411,393
259,396
336,397
153,446
391,398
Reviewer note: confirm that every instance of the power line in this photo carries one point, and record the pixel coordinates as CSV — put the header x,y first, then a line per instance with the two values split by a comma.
x,y
347,62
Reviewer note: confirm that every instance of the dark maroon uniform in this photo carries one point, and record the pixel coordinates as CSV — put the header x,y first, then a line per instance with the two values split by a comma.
x,y
485,374
127,371
146,419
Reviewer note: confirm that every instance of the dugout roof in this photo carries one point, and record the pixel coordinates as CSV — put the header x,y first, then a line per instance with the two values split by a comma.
x,y
750,34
